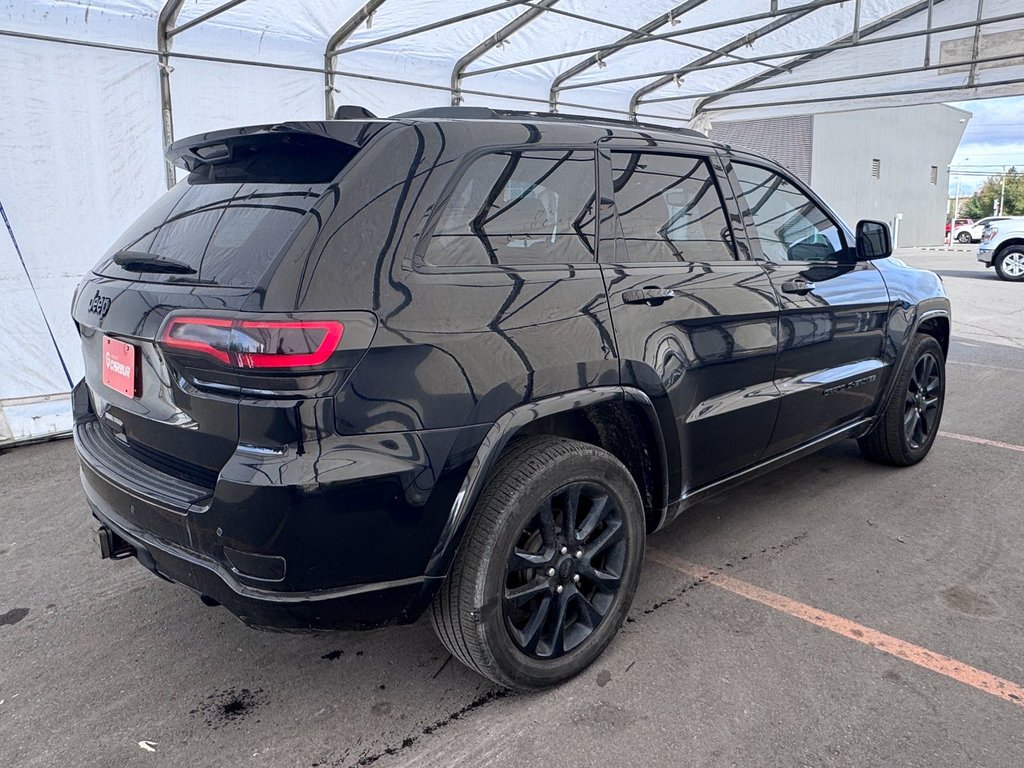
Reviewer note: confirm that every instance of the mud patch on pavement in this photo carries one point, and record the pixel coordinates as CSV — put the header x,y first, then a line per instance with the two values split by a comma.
x,y
13,616
965,600
229,707
603,717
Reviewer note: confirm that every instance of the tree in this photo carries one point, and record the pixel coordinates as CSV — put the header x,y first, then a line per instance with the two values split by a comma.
x,y
980,204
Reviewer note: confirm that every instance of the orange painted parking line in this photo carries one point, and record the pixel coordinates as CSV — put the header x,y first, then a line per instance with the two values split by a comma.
x,y
983,441
915,654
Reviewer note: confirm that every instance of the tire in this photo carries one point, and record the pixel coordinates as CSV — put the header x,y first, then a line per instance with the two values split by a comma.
x,y
963,237
906,429
498,611
1010,264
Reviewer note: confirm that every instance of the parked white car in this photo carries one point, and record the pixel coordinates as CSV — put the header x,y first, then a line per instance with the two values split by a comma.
x,y
971,233
1002,247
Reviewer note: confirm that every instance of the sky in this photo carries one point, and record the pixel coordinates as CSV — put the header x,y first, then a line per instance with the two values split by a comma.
x,y
994,137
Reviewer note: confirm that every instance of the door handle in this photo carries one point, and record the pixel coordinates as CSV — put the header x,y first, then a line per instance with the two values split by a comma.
x,y
798,286
651,295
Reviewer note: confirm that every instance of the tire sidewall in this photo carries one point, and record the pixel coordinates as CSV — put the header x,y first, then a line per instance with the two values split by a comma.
x,y
524,671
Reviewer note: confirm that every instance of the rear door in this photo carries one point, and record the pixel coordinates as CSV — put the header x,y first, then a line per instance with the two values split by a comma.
x,y
695,318
834,309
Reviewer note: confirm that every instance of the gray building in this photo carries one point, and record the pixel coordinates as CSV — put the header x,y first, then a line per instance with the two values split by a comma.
x,y
889,164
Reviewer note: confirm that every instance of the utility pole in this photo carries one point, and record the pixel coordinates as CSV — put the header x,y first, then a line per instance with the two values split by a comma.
x,y
956,210
1002,192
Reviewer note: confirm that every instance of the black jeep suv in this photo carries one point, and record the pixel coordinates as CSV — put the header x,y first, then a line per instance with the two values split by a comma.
x,y
463,361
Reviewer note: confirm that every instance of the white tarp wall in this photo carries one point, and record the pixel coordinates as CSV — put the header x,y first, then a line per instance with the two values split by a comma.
x,y
81,135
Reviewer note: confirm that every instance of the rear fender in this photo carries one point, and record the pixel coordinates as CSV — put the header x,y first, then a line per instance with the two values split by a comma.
x,y
504,430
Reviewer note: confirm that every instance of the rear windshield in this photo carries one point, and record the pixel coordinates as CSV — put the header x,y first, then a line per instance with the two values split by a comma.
x,y
226,222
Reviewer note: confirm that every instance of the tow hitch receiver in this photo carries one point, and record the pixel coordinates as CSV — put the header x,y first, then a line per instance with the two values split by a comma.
x,y
112,546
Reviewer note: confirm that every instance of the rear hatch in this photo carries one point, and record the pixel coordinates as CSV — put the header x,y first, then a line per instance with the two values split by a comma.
x,y
172,319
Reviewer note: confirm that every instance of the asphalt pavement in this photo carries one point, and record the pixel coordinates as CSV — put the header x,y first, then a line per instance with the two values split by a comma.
x,y
833,613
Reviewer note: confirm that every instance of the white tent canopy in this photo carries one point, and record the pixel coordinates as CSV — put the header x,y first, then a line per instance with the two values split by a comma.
x,y
93,89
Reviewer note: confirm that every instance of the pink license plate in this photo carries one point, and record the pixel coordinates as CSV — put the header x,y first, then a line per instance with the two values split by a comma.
x,y
119,366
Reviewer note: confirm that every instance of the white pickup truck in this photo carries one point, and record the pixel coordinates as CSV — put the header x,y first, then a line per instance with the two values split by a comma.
x,y
1002,247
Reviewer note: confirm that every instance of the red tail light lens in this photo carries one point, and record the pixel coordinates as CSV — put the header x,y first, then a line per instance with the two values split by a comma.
x,y
256,344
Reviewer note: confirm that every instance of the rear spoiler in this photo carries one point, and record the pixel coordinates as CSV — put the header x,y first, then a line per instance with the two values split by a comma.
x,y
222,147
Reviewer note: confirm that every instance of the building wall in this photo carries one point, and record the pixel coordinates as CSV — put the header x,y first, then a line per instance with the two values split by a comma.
x,y
835,154
907,142
786,140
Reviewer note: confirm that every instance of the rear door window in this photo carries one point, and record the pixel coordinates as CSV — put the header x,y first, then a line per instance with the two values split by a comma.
x,y
520,207
669,208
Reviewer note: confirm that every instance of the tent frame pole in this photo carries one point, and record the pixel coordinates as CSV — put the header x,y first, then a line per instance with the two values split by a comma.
x,y
636,99
340,35
599,58
618,46
808,51
495,40
856,37
168,15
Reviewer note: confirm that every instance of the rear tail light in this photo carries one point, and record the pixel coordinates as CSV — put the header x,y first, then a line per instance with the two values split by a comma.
x,y
255,344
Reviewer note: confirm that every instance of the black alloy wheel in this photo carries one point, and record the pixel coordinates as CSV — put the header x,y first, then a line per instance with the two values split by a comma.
x,y
904,431
921,405
564,571
548,565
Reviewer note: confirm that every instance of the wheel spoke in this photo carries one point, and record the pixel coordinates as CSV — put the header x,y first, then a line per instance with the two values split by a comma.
x,y
603,580
589,613
612,533
929,366
908,419
520,560
557,622
521,595
569,512
530,635
927,422
598,508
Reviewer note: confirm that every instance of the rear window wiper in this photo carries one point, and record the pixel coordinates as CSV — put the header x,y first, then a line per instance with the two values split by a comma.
x,y
136,261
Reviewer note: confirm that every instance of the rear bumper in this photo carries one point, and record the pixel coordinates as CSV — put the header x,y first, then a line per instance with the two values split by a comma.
x,y
334,535
362,606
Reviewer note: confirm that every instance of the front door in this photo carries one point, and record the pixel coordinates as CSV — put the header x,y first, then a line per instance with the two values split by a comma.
x,y
830,369
695,319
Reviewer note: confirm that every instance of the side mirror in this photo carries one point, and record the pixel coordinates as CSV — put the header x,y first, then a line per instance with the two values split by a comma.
x,y
873,240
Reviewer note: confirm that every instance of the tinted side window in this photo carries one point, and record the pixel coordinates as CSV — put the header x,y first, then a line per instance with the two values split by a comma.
x,y
669,208
790,226
519,207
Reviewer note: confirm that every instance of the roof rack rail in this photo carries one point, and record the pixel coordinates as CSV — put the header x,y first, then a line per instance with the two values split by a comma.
x,y
486,113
